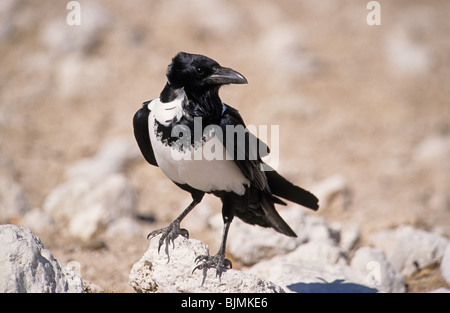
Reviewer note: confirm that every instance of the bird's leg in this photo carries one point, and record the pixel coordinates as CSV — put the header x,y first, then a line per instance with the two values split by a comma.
x,y
218,261
172,231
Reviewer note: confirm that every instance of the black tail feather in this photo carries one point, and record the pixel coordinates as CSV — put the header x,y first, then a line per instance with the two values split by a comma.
x,y
274,219
281,187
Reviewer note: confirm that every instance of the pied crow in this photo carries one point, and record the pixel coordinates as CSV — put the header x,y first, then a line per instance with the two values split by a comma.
x,y
190,97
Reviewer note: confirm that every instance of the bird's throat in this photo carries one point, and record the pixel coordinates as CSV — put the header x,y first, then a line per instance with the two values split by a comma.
x,y
205,104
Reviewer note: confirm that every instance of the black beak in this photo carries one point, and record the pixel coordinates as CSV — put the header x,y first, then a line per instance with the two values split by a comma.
x,y
224,75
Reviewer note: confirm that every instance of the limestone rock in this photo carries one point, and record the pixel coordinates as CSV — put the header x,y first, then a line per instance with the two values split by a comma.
x,y
379,271
87,207
171,271
409,249
96,192
111,158
25,266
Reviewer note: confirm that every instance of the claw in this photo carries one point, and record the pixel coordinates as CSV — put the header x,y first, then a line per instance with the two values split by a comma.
x,y
201,258
184,232
218,261
155,233
169,233
227,263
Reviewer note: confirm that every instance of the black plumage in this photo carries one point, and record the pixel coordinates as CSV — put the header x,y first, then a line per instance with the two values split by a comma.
x,y
192,92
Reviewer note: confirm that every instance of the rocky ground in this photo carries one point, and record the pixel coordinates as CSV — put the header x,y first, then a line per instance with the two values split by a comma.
x,y
362,112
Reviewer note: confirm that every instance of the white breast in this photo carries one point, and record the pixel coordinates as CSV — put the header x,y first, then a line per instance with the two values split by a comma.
x,y
190,166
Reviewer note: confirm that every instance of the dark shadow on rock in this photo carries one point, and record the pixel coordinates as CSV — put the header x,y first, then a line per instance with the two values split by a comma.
x,y
337,286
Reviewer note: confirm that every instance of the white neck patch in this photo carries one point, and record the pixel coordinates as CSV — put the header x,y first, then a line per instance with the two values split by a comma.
x,y
166,112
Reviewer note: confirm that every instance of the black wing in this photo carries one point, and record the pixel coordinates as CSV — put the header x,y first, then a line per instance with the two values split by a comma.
x,y
261,208
141,133
241,145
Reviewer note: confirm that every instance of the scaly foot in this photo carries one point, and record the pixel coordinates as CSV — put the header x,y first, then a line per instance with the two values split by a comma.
x,y
218,261
169,233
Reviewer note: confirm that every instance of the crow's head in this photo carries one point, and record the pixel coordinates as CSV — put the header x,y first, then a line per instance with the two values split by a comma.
x,y
197,73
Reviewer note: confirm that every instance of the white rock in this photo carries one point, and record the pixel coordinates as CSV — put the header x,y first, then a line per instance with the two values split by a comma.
x,y
88,222
63,201
312,276
409,249
25,266
349,236
12,200
124,226
317,230
110,159
445,264
379,271
171,271
96,192
88,206
37,221
315,251
90,287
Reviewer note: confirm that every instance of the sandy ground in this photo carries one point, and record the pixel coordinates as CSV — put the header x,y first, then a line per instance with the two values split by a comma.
x,y
350,99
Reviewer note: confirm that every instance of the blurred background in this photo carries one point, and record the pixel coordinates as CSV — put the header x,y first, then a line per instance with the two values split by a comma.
x,y
364,114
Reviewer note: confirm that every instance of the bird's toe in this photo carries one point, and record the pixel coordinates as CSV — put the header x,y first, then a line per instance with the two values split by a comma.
x,y
168,234
218,261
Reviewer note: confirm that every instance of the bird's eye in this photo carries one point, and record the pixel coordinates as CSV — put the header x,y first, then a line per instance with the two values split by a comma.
x,y
200,71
